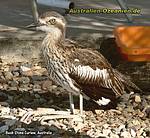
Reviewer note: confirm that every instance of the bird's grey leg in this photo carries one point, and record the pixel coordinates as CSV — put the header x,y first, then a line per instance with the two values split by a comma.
x,y
81,104
71,103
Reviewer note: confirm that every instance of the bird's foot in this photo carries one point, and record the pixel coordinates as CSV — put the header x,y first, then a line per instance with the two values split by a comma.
x,y
44,114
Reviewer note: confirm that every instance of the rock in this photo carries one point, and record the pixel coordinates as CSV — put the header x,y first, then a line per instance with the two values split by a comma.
x,y
13,83
112,135
24,80
38,78
20,129
46,85
3,129
4,104
147,111
27,73
106,131
12,88
36,87
137,99
24,88
37,96
8,75
24,68
10,122
5,86
125,134
133,133
148,97
106,126
42,101
16,74
4,110
121,128
135,122
3,96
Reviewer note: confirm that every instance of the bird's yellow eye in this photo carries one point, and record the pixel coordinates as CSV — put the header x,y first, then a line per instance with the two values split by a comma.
x,y
52,21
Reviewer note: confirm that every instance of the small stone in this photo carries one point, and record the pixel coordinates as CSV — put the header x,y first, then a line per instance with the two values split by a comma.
x,y
16,74
4,110
4,104
46,85
36,87
24,68
23,88
12,88
41,128
148,97
126,134
53,128
10,122
24,80
106,131
20,129
42,101
112,135
5,86
38,78
106,126
8,75
137,99
27,73
133,133
37,96
147,111
136,122
3,96
3,129
13,83
121,128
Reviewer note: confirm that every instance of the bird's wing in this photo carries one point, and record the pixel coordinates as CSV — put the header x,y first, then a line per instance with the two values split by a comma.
x,y
90,71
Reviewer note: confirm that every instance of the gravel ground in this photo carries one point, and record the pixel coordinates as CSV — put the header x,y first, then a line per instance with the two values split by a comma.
x,y
26,88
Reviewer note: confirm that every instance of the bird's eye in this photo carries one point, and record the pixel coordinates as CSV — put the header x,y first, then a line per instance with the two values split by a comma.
x,y
52,21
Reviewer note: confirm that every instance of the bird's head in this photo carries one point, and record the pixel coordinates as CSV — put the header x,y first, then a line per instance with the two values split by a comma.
x,y
50,22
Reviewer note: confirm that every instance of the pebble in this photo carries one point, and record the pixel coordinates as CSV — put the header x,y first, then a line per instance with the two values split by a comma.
x,y
20,129
133,133
4,110
3,129
112,135
10,122
148,97
106,131
8,75
125,134
24,80
3,96
38,78
24,68
46,85
4,104
13,83
137,99
129,120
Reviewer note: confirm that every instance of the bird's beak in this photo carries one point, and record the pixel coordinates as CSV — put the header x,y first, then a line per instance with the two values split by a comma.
x,y
31,26
35,26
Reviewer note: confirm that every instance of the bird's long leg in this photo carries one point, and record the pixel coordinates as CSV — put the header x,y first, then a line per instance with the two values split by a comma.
x,y
81,104
71,103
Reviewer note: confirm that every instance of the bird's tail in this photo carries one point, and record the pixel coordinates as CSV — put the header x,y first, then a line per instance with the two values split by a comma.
x,y
126,81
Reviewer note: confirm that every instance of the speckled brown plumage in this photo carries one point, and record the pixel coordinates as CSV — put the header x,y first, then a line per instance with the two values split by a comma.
x,y
79,70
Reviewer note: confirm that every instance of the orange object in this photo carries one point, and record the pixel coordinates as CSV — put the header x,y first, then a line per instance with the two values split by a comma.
x,y
133,42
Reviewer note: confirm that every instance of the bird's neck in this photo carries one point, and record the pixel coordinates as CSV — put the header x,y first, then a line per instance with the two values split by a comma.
x,y
54,35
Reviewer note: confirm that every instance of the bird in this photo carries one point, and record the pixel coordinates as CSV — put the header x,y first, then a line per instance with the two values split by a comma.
x,y
83,72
